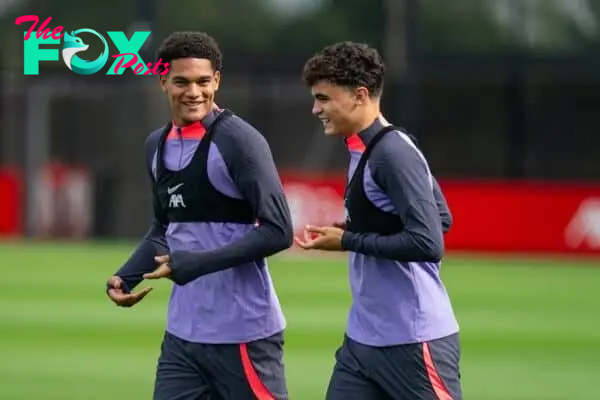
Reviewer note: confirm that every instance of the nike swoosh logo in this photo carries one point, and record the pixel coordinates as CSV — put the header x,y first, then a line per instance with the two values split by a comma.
x,y
174,188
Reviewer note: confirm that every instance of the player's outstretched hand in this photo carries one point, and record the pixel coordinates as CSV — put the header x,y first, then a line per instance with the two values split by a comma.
x,y
164,269
120,297
328,238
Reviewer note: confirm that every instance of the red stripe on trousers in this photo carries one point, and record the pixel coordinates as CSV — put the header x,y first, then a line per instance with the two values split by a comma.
x,y
436,381
258,387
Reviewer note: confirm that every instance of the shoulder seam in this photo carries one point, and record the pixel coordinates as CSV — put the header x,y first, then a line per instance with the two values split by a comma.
x,y
154,133
403,136
235,125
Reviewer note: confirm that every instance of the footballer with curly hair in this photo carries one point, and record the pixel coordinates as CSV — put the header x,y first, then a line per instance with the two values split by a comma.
x,y
219,211
401,340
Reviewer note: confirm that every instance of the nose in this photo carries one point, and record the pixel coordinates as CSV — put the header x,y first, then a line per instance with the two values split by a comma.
x,y
194,90
316,109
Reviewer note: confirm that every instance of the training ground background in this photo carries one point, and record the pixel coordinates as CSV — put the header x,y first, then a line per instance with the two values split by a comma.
x,y
530,327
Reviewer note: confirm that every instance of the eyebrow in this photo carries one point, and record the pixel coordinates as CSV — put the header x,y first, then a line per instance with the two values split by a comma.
x,y
320,96
200,78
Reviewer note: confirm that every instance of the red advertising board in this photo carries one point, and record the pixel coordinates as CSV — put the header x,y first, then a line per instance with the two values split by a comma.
x,y
488,216
10,203
61,202
524,216
314,199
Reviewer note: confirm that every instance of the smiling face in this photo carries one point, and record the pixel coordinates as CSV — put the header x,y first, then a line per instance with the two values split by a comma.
x,y
190,85
346,81
340,109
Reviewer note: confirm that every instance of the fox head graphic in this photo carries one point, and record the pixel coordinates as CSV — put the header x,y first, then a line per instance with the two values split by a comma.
x,y
72,44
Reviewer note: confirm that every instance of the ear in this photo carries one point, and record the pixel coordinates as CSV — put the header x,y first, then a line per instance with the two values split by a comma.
x,y
362,95
162,81
217,80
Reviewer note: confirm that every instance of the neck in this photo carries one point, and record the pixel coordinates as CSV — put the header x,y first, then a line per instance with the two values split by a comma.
x,y
367,120
180,123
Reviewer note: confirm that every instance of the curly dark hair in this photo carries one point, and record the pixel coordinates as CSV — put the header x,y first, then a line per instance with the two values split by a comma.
x,y
347,64
190,45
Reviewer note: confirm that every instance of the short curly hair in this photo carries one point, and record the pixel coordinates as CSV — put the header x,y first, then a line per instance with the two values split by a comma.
x,y
347,64
190,45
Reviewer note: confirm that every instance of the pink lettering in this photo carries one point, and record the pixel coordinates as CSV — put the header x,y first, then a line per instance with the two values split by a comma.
x,y
157,68
149,70
157,65
28,18
55,34
128,64
138,69
43,28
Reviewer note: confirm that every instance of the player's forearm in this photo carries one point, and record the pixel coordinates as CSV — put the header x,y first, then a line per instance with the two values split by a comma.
x,y
266,239
262,242
421,240
249,160
142,259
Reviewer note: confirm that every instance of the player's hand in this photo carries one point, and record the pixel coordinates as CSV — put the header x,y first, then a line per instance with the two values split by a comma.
x,y
164,269
327,238
120,297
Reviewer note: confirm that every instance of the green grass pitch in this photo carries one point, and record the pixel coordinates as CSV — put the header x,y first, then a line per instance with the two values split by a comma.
x,y
530,329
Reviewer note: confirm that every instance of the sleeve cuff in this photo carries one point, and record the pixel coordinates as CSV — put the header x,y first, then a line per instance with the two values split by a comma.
x,y
124,285
182,267
348,241
175,264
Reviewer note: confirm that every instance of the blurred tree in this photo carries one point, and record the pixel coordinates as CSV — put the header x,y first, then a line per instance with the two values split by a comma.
x,y
236,24
495,25
294,8
459,25
547,25
335,20
364,19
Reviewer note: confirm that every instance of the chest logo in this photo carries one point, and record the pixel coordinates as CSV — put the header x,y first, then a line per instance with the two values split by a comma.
x,y
175,199
173,189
